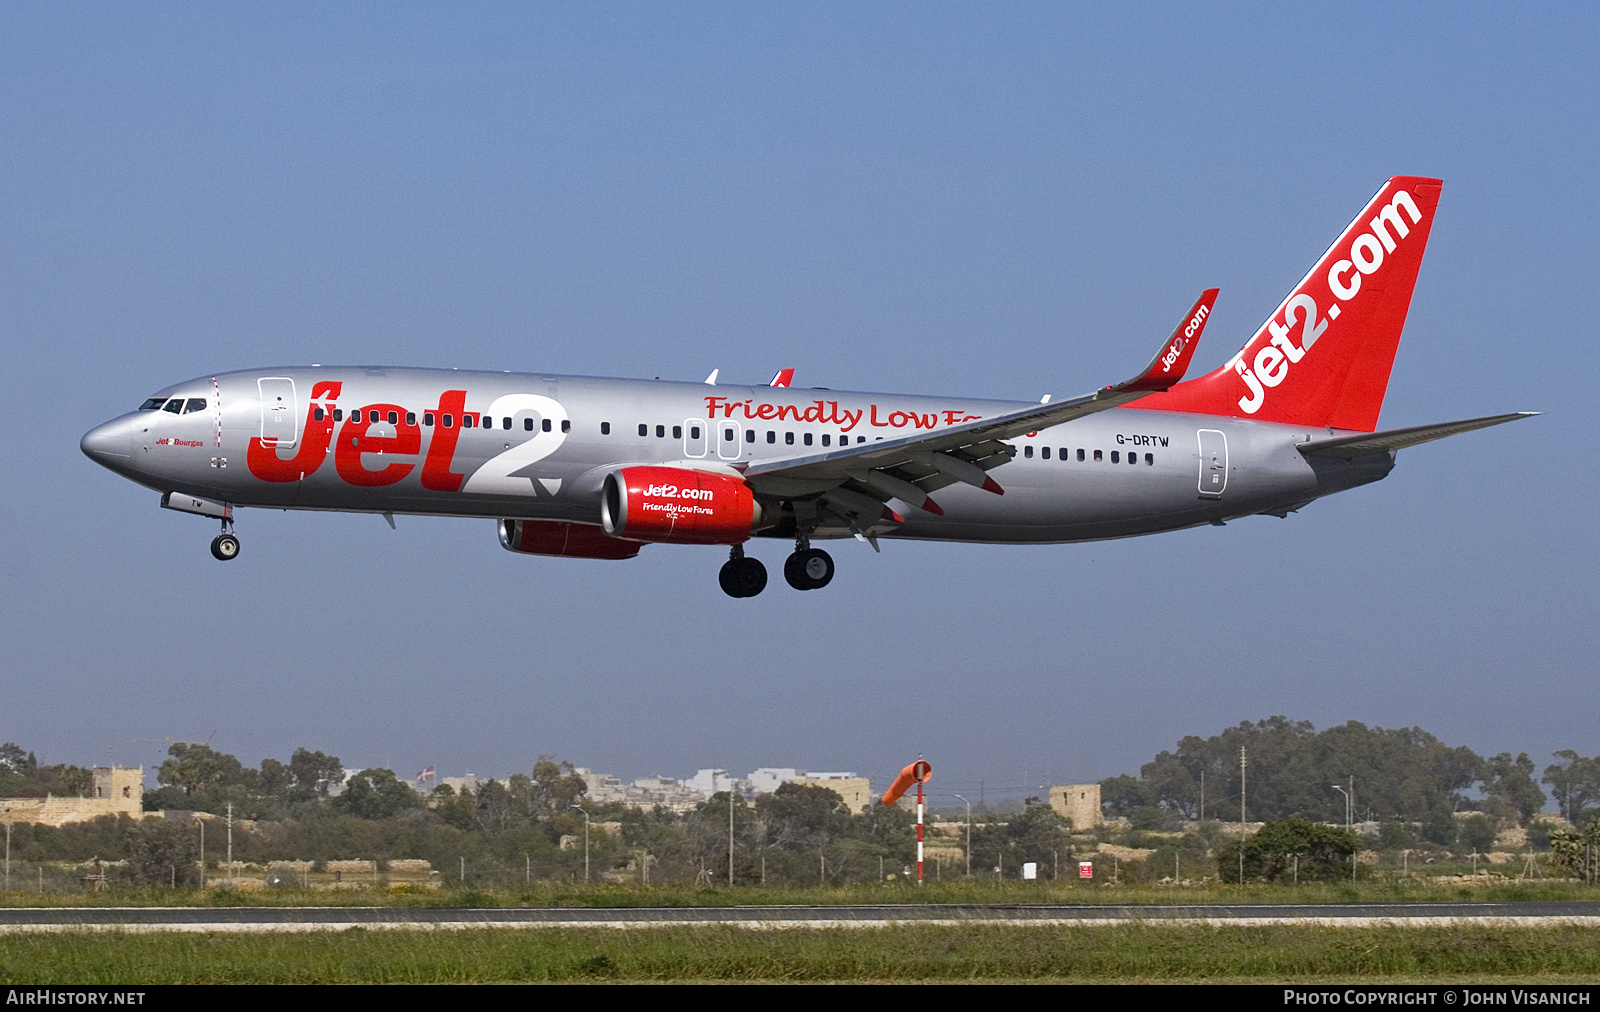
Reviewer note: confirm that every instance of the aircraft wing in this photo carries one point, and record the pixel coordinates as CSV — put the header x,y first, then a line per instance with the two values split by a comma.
x,y
1346,447
854,482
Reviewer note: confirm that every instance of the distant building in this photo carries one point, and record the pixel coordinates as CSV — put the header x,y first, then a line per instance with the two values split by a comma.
x,y
1078,802
113,790
856,791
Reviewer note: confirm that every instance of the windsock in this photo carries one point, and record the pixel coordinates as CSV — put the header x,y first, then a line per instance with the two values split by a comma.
x,y
918,772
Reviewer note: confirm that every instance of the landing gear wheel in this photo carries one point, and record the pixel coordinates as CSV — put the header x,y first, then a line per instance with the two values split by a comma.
x,y
743,577
808,569
225,547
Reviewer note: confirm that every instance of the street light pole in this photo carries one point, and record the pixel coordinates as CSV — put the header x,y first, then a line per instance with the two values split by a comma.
x,y
585,812
969,835
1347,826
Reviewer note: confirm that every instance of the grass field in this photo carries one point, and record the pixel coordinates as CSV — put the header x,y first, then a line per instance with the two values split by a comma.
x,y
551,894
1129,953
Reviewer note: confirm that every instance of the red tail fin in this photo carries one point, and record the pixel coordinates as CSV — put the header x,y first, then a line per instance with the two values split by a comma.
x,y
1323,357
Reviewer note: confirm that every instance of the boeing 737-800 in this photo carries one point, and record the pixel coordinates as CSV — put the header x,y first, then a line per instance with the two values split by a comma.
x,y
599,468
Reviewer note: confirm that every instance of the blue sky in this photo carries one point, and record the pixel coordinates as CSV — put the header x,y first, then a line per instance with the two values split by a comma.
x,y
991,200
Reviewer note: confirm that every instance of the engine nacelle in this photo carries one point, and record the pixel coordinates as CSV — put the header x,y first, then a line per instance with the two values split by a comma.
x,y
676,504
572,541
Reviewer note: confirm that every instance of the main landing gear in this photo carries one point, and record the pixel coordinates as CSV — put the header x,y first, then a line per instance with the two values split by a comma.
x,y
225,546
808,568
742,576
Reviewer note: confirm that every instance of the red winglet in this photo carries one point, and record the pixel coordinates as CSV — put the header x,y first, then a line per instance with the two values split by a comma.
x,y
782,378
1172,361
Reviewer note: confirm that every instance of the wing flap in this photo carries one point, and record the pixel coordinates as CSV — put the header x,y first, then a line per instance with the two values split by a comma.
x,y
1346,447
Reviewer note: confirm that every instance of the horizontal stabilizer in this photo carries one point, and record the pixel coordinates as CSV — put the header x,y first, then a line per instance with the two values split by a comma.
x,y
1346,447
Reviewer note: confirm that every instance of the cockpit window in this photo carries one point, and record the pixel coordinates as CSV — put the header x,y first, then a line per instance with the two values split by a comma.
x,y
153,404
195,404
175,406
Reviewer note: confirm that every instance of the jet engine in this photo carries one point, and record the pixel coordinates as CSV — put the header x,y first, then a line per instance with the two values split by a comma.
x,y
674,504
572,541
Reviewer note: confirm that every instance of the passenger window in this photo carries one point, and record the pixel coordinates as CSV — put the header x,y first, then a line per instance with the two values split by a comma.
x,y
372,417
788,437
527,425
749,435
411,418
605,428
566,425
1114,459
1044,451
807,439
772,437
176,405
727,435
825,439
694,432
545,425
449,421
861,439
195,404
394,417
1133,458
317,414
1080,454
1027,451
661,432
644,430
677,432
1062,453
505,423
338,414
427,419
1097,456
1149,458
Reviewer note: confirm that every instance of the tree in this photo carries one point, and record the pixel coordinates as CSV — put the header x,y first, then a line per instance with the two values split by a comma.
x,y
195,768
555,787
1575,784
163,852
1509,782
1439,825
1290,848
15,761
377,794
313,772
1476,835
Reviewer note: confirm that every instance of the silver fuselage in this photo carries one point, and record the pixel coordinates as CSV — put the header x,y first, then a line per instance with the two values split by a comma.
x,y
1114,474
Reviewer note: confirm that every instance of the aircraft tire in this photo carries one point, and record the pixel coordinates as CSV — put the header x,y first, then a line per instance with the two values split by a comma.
x,y
744,577
811,569
225,547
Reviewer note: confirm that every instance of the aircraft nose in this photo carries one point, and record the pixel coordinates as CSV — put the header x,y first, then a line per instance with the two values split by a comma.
x,y
109,444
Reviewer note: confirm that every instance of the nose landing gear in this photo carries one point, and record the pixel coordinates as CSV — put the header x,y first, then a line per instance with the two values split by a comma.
x,y
808,568
742,576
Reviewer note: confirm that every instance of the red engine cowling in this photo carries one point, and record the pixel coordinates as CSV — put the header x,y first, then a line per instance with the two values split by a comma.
x,y
674,504
572,541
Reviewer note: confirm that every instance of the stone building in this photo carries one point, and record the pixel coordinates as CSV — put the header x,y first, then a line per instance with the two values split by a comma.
x,y
113,790
1078,802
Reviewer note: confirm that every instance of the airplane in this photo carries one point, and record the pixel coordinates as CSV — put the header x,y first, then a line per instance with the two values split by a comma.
x,y
596,468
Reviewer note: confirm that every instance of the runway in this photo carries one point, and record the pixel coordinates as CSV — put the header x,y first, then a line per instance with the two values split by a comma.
x,y
313,919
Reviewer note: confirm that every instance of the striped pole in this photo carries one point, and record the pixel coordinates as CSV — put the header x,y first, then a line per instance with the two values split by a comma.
x,y
919,832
